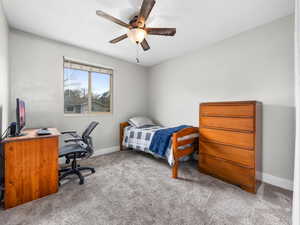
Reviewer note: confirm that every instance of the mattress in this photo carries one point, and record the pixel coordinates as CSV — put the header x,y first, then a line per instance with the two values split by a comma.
x,y
139,139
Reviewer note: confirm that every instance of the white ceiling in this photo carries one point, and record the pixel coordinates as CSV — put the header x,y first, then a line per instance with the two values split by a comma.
x,y
198,23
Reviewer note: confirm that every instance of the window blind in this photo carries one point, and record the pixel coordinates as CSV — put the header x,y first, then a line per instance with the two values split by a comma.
x,y
82,66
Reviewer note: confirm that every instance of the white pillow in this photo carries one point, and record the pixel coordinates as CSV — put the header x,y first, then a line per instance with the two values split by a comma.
x,y
140,121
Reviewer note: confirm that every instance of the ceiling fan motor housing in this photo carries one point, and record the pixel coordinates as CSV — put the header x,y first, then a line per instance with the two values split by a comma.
x,y
136,23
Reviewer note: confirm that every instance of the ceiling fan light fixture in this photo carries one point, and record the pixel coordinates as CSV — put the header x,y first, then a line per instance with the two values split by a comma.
x,y
137,35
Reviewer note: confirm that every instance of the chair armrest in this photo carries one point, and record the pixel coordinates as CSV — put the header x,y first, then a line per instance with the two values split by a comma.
x,y
73,140
68,132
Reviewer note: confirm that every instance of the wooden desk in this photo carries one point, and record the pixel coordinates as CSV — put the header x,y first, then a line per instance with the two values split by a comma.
x,y
30,167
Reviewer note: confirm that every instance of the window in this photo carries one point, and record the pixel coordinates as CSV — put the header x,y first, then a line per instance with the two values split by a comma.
x,y
87,88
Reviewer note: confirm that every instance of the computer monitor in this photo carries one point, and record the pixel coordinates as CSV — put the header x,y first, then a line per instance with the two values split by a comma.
x,y
21,117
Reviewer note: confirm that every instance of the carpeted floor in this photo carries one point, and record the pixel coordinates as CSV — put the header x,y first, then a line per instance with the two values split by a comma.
x,y
134,188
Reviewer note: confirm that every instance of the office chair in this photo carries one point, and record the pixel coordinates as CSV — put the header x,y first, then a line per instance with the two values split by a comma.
x,y
81,147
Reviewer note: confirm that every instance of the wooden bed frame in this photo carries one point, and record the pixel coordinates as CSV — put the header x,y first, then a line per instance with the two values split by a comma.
x,y
175,143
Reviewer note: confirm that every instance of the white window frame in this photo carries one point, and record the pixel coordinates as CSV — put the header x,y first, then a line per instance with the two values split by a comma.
x,y
89,68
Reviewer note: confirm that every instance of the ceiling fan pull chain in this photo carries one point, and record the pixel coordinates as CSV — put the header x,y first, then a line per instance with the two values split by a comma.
x,y
137,53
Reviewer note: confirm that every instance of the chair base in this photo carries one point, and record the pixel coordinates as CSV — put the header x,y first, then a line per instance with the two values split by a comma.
x,y
70,171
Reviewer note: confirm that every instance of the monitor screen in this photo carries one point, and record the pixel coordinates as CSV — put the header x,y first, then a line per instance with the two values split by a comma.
x,y
21,118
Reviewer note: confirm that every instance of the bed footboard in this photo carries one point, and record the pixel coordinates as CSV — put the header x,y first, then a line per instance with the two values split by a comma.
x,y
179,139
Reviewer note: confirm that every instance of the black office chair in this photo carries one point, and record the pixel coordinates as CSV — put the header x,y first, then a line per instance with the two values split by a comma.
x,y
81,147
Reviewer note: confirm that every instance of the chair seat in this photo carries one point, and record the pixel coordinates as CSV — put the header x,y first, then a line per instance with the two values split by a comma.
x,y
71,148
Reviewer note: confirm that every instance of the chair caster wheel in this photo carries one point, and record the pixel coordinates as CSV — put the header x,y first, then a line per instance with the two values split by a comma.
x,y
93,170
81,182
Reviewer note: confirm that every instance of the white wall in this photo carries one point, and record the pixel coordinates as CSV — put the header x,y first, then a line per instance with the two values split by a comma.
x,y
37,77
255,65
4,79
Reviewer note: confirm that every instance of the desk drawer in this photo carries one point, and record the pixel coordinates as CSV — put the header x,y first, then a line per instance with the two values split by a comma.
x,y
241,156
238,139
227,171
227,110
243,124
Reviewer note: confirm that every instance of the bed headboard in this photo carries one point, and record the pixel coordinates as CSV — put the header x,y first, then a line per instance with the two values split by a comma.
x,y
122,126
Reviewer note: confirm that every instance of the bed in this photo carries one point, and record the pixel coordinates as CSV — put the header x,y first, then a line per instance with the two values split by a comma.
x,y
183,142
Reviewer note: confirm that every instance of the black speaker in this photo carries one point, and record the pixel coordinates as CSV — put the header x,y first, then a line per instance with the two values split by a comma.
x,y
13,129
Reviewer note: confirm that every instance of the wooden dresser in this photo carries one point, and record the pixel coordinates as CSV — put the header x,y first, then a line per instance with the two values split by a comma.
x,y
230,141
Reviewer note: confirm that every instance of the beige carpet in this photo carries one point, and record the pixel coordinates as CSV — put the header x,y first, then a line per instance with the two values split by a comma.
x,y
134,188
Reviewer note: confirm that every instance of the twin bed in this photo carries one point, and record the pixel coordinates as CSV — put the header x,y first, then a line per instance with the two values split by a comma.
x,y
183,142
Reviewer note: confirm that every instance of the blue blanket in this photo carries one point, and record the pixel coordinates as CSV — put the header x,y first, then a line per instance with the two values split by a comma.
x,y
161,139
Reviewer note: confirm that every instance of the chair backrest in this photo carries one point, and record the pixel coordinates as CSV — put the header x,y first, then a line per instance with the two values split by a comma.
x,y
87,139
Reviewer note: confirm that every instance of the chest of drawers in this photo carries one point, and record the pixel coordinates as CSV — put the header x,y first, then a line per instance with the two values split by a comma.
x,y
230,141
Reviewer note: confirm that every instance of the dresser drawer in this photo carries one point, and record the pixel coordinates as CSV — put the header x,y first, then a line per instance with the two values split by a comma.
x,y
238,139
227,171
243,124
238,155
227,110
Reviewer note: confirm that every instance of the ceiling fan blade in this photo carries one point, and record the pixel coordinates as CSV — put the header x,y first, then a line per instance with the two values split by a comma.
x,y
145,45
146,8
111,18
161,31
122,37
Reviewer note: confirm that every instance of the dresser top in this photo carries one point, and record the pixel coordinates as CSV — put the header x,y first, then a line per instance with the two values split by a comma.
x,y
232,103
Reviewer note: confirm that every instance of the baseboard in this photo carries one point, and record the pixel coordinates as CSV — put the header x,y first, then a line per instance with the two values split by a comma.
x,y
276,181
104,151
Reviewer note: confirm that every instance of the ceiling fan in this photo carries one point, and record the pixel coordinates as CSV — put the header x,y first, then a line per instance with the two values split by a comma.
x,y
137,26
